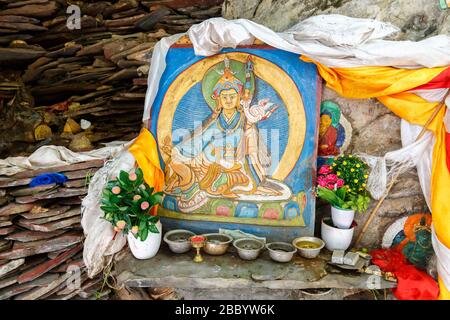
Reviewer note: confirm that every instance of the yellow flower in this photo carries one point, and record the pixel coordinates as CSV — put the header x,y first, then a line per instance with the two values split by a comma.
x,y
338,173
366,176
363,184
358,165
350,156
355,181
352,170
334,164
344,163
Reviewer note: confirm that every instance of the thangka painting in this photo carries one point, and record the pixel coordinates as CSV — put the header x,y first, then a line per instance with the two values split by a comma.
x,y
237,135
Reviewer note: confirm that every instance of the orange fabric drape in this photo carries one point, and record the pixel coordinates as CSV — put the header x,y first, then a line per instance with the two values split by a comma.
x,y
145,151
389,86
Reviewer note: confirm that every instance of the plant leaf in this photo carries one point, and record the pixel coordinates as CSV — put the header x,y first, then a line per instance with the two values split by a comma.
x,y
153,219
340,193
144,234
124,176
153,228
330,197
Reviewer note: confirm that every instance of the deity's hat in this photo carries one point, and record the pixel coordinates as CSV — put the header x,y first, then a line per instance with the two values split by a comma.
x,y
332,109
225,75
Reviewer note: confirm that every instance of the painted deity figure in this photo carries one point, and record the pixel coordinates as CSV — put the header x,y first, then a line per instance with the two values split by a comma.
x,y
224,156
327,136
332,134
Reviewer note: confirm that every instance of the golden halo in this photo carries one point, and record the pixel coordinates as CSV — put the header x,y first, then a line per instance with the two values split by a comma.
x,y
263,69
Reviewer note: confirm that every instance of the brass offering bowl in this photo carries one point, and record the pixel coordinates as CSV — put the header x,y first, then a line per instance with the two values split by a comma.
x,y
198,242
216,243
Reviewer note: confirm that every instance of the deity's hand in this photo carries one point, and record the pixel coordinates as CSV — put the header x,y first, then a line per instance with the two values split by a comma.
x,y
245,103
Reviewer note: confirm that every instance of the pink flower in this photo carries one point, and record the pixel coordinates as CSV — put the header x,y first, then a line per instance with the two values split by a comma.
x,y
132,176
325,169
121,224
115,190
321,181
145,205
330,186
331,178
136,197
340,183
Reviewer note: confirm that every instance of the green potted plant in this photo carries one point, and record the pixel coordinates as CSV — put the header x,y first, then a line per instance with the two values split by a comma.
x,y
342,184
129,204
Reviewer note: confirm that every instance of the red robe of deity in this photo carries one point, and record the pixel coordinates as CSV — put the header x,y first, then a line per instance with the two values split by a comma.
x,y
327,142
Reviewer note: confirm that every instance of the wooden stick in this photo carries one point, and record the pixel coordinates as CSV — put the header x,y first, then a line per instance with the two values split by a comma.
x,y
394,178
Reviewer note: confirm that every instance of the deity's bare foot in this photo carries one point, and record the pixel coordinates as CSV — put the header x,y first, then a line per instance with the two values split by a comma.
x,y
230,195
270,185
262,190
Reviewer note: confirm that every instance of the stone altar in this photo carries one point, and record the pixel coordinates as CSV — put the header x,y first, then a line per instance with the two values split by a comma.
x,y
239,278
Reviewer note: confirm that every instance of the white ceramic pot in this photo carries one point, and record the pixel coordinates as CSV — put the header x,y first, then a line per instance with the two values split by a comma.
x,y
342,218
148,248
335,238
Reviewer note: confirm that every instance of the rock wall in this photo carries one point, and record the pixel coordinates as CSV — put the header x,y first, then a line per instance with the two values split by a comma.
x,y
416,18
376,130
81,86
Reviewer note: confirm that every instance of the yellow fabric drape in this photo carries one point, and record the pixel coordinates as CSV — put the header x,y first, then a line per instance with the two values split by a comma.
x,y
145,151
388,85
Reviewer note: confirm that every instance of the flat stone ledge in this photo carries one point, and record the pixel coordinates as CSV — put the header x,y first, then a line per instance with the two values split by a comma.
x,y
228,271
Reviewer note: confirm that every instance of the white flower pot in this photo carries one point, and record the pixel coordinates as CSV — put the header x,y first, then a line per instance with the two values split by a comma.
x,y
148,248
342,218
335,238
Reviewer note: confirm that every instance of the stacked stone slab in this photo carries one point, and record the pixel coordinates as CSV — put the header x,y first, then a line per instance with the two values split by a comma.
x,y
41,239
81,84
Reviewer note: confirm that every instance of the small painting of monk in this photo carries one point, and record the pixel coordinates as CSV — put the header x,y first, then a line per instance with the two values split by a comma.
x,y
331,132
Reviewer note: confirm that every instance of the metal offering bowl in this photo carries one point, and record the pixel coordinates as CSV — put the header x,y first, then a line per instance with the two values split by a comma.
x,y
309,253
281,251
178,240
217,243
248,248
